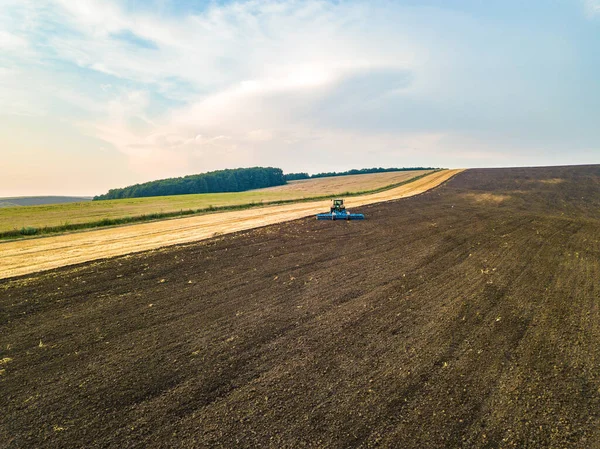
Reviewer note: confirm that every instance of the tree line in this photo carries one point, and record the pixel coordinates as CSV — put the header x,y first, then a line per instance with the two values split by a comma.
x,y
362,171
229,180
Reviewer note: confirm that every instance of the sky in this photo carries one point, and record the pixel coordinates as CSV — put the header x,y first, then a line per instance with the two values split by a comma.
x,y
98,94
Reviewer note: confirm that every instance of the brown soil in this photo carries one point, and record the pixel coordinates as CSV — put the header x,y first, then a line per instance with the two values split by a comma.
x,y
437,322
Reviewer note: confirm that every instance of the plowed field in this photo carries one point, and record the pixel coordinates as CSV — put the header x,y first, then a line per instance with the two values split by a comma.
x,y
464,317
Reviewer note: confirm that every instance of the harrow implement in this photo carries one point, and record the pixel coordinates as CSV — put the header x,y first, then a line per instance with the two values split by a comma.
x,y
338,212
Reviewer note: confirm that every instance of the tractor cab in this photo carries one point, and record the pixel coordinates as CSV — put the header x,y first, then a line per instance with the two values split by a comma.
x,y
338,206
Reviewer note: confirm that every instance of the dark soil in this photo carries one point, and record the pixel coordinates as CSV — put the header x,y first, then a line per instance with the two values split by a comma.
x,y
465,317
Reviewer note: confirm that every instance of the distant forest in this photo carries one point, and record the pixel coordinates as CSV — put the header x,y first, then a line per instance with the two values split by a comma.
x,y
362,171
230,180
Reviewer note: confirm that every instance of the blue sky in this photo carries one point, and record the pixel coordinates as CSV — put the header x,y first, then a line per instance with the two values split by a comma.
x,y
98,94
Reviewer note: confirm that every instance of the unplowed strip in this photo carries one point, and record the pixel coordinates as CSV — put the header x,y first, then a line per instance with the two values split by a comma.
x,y
29,256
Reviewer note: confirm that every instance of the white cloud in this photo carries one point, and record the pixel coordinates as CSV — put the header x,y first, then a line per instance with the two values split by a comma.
x,y
250,67
592,7
268,45
11,42
291,83
259,135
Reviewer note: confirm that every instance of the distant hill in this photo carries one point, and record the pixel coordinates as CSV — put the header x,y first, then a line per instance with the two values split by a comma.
x,y
40,200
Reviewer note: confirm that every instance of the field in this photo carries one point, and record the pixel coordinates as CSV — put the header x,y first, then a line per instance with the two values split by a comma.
x,y
341,184
39,200
28,256
83,212
466,317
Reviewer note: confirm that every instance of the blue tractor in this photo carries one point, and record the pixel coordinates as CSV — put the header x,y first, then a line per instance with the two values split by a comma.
x,y
338,212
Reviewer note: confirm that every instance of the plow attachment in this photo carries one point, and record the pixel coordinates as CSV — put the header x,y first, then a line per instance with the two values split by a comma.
x,y
340,216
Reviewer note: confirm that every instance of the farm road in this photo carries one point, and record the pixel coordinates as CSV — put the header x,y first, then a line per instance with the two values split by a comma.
x,y
32,255
467,317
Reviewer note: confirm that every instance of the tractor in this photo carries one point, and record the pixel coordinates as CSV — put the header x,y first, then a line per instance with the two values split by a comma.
x,y
338,211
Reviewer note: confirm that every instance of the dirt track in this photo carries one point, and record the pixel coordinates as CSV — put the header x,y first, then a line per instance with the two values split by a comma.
x,y
33,255
465,317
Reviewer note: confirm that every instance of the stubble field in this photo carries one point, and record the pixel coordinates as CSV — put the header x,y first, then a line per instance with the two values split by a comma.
x,y
464,317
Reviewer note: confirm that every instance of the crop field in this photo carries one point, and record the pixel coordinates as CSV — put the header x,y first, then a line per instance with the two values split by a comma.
x,y
28,256
340,184
92,211
465,317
